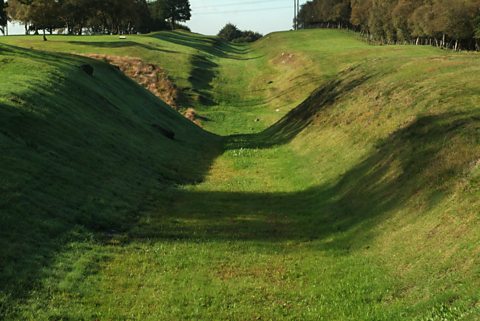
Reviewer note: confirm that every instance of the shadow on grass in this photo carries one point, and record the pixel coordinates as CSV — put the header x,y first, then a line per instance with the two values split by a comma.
x,y
213,46
118,44
54,183
300,117
81,156
201,76
203,68
413,163
51,57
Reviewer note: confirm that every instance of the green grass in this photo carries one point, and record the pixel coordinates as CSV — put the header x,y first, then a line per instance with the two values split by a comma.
x,y
355,196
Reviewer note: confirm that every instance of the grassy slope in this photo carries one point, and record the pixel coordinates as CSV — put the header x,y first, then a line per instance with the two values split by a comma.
x,y
79,156
361,204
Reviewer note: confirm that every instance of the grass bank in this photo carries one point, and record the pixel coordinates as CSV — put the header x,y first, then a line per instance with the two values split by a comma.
x,y
346,186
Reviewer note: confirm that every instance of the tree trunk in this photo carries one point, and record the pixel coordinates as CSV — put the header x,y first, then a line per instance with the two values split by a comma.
x,y
44,36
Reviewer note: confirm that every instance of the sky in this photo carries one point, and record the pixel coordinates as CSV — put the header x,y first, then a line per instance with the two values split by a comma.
x,y
209,16
264,16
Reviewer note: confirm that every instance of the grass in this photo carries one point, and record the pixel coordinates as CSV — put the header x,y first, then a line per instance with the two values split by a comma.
x,y
344,185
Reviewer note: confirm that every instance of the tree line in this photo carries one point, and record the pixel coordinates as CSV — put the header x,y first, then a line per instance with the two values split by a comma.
x,y
96,16
451,24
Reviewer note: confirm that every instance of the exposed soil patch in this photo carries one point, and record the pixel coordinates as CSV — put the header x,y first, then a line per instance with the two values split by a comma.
x,y
193,116
148,75
285,58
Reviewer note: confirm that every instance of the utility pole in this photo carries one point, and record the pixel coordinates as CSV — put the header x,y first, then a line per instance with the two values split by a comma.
x,y
298,12
295,14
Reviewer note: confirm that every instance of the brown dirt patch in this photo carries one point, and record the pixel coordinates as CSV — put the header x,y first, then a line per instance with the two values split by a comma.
x,y
285,58
191,114
150,76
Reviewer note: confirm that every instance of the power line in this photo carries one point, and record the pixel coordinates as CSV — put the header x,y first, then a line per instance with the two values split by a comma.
x,y
234,4
240,11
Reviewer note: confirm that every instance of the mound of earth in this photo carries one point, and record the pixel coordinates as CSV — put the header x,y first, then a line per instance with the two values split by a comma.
x,y
150,76
192,115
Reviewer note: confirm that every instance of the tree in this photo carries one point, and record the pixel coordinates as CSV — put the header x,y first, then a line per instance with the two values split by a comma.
x,y
177,11
476,24
476,29
458,22
3,16
400,15
230,32
18,11
75,14
341,12
44,14
158,15
248,36
141,17
360,14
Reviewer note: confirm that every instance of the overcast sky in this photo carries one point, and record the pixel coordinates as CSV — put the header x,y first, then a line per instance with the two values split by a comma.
x,y
209,16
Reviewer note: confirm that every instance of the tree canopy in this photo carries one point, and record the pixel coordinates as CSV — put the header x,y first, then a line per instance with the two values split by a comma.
x,y
446,23
177,11
231,33
106,16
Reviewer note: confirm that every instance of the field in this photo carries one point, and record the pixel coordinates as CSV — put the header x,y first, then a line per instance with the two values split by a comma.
x,y
332,180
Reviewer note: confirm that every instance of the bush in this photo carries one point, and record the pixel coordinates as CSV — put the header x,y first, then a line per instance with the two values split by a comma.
x,y
179,26
231,33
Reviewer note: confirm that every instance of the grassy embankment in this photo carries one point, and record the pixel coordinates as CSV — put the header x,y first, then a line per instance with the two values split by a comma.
x,y
360,204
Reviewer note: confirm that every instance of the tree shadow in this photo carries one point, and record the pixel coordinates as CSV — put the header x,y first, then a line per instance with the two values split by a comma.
x,y
83,157
201,76
119,44
413,163
212,46
294,122
95,195
203,68
39,55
